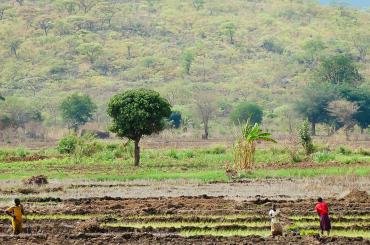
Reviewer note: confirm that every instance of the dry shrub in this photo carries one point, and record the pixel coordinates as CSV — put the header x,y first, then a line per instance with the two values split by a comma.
x,y
36,180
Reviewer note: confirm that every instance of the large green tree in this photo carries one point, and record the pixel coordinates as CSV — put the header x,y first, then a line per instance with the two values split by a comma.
x,y
314,101
338,69
136,113
360,96
246,111
77,109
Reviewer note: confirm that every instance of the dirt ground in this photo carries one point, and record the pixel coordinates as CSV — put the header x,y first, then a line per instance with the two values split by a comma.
x,y
288,189
182,208
184,204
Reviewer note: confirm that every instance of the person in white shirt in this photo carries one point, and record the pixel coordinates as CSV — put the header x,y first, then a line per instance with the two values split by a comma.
x,y
276,228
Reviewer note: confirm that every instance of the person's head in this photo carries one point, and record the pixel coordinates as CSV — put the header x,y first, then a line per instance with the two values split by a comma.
x,y
17,201
274,207
319,199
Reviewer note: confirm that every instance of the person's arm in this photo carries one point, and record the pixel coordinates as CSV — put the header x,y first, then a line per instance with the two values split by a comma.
x,y
22,210
10,212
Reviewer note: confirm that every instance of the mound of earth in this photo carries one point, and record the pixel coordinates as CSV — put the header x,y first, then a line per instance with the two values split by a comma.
x,y
89,226
36,180
357,196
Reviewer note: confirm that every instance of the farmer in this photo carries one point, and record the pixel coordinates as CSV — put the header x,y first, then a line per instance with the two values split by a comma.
x,y
276,228
16,213
323,211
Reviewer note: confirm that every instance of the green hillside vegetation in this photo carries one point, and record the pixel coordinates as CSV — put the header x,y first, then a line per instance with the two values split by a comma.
x,y
256,51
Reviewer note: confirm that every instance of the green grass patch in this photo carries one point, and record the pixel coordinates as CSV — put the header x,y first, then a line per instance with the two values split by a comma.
x,y
58,216
200,232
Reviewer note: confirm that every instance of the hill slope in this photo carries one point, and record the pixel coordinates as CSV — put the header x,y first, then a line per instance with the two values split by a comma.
x,y
255,50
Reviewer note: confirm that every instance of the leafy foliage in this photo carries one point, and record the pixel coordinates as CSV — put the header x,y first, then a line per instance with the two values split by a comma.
x,y
67,145
245,147
305,137
136,113
246,111
77,109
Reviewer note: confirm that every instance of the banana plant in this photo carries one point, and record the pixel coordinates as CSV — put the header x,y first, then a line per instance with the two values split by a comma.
x,y
245,147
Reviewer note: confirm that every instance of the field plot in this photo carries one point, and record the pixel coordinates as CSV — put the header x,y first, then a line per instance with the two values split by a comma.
x,y
186,220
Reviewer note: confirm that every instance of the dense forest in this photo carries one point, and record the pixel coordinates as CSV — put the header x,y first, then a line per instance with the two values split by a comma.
x,y
194,52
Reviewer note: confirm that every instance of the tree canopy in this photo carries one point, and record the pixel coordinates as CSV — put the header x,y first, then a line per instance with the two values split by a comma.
x,y
136,113
246,111
77,109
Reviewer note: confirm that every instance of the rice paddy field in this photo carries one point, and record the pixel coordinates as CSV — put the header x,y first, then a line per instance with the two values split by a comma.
x,y
184,196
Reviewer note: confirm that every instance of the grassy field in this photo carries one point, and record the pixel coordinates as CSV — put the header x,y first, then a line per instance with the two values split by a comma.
x,y
112,162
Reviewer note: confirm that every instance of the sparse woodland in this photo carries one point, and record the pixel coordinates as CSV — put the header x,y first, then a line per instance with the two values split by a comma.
x,y
264,52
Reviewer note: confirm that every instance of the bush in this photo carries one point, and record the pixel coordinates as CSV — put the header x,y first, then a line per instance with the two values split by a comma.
x,y
21,152
344,150
175,119
173,154
305,138
67,145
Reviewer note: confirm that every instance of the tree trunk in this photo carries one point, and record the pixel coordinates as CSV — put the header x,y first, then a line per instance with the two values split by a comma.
x,y
313,128
205,135
137,152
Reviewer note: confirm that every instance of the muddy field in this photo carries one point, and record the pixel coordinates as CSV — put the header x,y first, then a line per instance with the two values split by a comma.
x,y
185,220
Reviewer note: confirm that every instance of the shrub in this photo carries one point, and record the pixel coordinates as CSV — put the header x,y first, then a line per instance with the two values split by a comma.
x,y
173,154
67,145
344,150
21,152
189,154
305,137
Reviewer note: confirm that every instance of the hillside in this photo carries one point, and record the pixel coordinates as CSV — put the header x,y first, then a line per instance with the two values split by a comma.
x,y
257,50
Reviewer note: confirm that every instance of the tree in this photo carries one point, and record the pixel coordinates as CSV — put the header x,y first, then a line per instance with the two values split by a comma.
x,y
91,50
305,137
1,97
175,119
14,45
344,111
245,111
360,96
229,29
77,109
339,69
87,5
136,113
206,108
186,61
313,49
45,24
314,101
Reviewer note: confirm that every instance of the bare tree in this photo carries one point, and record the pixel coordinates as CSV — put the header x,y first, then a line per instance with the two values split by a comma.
x,y
206,108
45,24
344,111
87,5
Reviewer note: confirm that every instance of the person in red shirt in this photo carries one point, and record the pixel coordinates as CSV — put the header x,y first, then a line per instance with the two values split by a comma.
x,y
323,211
